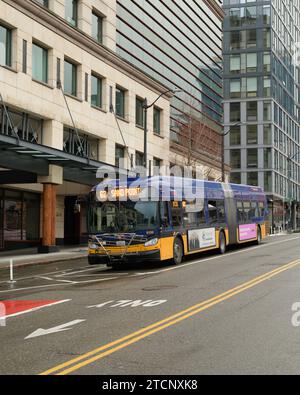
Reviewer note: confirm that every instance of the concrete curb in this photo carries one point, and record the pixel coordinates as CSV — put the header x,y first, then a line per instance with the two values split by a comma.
x,y
51,260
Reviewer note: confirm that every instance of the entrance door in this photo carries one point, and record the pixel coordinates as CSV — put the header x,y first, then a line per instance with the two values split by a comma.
x,y
72,222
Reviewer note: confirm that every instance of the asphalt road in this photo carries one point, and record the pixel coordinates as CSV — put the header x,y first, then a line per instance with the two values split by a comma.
x,y
213,314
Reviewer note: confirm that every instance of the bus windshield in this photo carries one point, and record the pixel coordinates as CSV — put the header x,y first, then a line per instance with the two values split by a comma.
x,y
123,217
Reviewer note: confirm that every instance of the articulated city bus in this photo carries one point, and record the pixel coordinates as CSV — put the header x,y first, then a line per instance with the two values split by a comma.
x,y
168,218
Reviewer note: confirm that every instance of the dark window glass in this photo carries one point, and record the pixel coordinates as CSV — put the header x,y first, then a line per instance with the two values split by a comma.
x,y
97,27
96,94
120,102
5,46
139,112
156,120
119,154
71,11
39,63
70,85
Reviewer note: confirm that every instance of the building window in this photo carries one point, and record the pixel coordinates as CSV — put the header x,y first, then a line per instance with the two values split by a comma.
x,y
267,158
235,64
249,15
267,135
252,111
252,178
267,111
266,15
235,159
139,112
267,62
234,17
267,86
39,63
235,178
235,112
97,27
71,11
235,40
96,93
235,88
156,166
252,87
139,159
252,134
5,46
45,3
70,78
235,135
252,157
157,120
251,63
119,155
120,102
251,38
268,181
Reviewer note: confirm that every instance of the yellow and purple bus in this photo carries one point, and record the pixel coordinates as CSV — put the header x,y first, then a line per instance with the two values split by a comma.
x,y
169,218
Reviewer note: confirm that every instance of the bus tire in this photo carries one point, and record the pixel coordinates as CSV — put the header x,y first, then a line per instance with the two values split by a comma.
x,y
178,251
222,243
259,237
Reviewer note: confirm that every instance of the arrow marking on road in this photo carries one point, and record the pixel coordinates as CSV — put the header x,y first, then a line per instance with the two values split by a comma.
x,y
56,329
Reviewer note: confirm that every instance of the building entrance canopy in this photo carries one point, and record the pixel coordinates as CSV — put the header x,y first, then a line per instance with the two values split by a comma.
x,y
23,156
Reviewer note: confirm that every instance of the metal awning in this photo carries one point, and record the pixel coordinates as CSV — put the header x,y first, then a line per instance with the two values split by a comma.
x,y
35,158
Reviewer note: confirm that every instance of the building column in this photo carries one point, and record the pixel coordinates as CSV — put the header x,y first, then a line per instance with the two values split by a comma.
x,y
49,220
50,183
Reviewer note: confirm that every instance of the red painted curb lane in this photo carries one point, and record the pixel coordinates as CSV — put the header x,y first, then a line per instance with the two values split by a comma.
x,y
12,307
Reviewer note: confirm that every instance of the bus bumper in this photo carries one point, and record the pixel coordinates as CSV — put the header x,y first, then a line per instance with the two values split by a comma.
x,y
139,257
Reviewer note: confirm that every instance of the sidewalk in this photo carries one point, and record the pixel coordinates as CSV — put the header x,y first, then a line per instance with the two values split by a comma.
x,y
29,257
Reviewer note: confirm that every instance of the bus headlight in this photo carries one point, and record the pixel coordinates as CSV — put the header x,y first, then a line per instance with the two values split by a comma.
x,y
151,243
93,246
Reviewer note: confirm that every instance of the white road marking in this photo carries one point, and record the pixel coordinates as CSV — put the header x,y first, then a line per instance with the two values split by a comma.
x,y
58,285
56,329
53,279
129,303
37,308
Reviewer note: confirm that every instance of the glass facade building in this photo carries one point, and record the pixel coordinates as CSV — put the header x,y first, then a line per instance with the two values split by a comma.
x,y
262,100
179,43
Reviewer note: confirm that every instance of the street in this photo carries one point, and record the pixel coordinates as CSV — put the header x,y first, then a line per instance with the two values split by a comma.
x,y
213,314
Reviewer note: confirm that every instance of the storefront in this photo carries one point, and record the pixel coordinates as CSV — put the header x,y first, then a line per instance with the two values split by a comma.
x,y
19,219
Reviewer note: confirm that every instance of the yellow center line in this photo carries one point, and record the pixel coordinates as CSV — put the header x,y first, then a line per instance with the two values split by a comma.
x,y
134,337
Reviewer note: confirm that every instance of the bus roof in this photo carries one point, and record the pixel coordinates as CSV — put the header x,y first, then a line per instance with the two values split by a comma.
x,y
173,182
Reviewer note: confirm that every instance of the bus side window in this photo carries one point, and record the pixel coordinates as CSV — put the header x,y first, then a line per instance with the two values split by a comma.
x,y
240,211
254,210
164,214
247,211
261,209
221,211
194,214
176,210
212,211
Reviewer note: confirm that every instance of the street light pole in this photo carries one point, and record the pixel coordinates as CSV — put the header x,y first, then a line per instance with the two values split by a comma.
x,y
146,108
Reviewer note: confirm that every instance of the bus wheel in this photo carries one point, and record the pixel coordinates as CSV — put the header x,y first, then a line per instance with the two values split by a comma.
x,y
259,238
222,243
178,251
